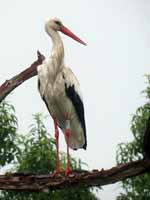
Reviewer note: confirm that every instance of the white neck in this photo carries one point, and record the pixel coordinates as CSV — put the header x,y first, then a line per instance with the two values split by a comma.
x,y
57,49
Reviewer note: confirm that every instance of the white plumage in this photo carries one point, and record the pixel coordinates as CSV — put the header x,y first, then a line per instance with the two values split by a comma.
x,y
60,89
59,105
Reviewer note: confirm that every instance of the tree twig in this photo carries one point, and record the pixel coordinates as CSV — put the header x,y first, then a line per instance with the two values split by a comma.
x,y
32,182
11,84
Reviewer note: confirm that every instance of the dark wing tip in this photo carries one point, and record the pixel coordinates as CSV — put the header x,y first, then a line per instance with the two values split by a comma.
x,y
85,146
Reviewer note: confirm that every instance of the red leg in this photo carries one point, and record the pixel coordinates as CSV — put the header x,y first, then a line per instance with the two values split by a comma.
x,y
57,146
68,168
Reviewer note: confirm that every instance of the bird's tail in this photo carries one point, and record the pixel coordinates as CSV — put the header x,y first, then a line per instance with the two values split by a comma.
x,y
77,140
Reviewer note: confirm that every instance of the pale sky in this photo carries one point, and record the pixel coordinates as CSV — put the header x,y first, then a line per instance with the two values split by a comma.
x,y
110,69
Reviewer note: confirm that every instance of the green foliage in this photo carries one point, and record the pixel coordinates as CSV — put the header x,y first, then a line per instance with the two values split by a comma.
x,y
36,154
137,188
8,127
146,92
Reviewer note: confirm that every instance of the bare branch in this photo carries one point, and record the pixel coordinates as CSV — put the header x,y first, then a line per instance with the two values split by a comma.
x,y
32,182
14,82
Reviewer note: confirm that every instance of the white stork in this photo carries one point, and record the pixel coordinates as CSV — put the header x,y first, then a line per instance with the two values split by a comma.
x,y
60,90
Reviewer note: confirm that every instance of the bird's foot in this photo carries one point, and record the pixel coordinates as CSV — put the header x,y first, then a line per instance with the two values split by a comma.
x,y
68,170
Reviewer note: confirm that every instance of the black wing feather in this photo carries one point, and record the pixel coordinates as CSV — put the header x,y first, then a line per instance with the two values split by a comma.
x,y
79,108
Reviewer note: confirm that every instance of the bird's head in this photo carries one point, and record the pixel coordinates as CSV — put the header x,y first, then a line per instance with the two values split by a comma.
x,y
56,25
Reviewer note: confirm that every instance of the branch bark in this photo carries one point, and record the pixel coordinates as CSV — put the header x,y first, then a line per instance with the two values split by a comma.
x,y
32,182
11,84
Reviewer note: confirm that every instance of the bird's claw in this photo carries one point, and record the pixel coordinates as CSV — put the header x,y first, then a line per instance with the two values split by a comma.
x,y
68,171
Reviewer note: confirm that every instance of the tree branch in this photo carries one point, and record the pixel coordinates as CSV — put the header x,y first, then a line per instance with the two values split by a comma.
x,y
14,82
32,182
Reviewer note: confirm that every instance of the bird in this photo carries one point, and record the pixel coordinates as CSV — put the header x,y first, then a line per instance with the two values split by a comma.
x,y
60,90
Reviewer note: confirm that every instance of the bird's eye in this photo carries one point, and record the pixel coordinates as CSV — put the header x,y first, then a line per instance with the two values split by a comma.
x,y
58,23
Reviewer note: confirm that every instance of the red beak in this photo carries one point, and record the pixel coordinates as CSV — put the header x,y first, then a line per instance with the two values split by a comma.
x,y
66,31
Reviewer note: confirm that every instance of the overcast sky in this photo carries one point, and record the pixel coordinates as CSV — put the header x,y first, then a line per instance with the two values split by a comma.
x,y
110,69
